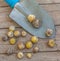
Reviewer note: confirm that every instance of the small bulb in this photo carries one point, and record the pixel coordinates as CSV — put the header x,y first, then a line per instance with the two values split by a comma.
x,y
11,28
29,55
12,41
21,46
51,43
31,18
34,39
17,33
35,49
29,45
24,33
36,23
49,32
10,34
20,55
4,38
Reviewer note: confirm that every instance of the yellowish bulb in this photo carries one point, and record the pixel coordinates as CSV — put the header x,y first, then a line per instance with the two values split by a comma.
x,y
11,28
34,39
10,34
29,45
24,33
20,55
12,41
29,55
51,43
31,18
17,33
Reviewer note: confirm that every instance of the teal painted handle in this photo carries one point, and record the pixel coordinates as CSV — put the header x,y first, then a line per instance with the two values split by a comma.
x,y
12,3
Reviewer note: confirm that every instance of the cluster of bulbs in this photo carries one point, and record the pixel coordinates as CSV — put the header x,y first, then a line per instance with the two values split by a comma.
x,y
13,34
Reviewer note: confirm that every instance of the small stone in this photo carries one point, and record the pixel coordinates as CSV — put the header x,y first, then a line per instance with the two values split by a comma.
x,y
29,45
29,55
21,45
12,41
34,39
51,43
4,38
35,49
17,33
49,32
20,55
10,34
31,18
24,33
36,23
12,28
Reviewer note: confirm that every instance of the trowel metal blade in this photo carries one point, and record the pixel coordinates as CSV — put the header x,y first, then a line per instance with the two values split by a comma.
x,y
47,21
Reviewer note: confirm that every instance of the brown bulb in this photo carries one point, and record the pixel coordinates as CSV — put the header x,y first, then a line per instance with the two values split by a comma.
x,y
36,23
35,49
49,32
5,38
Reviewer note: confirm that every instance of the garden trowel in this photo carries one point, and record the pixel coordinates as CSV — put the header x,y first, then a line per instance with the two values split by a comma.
x,y
26,7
